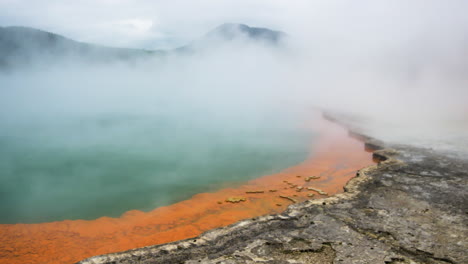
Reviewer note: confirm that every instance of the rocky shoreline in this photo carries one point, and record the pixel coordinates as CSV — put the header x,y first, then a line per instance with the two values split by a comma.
x,y
410,207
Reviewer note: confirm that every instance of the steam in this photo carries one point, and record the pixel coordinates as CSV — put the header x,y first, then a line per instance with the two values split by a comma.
x,y
401,62
393,58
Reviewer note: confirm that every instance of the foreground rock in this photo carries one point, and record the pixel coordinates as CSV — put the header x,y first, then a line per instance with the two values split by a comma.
x,y
412,207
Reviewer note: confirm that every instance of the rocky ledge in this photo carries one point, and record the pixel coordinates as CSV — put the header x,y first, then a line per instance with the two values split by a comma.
x,y
410,207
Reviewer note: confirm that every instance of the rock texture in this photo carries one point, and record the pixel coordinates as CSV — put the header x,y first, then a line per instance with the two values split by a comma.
x,y
411,207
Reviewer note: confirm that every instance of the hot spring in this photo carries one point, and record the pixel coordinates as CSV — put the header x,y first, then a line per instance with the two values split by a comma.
x,y
82,142
92,166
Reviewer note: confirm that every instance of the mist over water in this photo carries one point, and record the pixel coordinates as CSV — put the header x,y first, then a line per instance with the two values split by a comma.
x,y
84,142
85,168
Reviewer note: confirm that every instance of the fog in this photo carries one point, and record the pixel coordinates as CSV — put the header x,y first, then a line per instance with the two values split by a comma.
x,y
401,67
395,58
82,140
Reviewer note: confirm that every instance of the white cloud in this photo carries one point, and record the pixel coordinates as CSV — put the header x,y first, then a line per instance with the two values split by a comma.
x,y
129,32
136,25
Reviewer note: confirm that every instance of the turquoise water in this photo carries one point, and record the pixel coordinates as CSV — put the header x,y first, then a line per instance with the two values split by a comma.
x,y
104,165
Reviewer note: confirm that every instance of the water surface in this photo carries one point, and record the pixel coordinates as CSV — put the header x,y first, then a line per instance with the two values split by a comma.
x,y
85,167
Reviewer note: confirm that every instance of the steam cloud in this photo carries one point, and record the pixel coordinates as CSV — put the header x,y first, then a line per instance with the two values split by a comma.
x,y
395,59
399,61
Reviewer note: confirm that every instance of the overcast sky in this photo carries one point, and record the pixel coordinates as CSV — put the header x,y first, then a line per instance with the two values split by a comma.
x,y
167,23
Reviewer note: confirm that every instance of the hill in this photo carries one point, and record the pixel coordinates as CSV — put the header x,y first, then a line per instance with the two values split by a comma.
x,y
21,47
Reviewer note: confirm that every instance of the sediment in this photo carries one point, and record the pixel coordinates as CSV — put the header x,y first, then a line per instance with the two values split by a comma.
x,y
410,207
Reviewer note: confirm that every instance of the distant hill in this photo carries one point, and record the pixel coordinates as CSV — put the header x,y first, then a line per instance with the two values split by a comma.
x,y
20,46
23,46
229,32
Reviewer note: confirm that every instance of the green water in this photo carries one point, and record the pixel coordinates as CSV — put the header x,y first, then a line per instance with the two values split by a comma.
x,y
88,167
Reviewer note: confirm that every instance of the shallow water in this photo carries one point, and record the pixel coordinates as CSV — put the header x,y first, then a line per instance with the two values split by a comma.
x,y
104,165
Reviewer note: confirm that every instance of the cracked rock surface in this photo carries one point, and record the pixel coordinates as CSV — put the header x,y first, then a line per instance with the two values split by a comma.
x,y
410,208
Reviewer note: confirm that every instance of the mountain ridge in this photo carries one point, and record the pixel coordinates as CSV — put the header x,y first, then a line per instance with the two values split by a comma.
x,y
21,46
232,30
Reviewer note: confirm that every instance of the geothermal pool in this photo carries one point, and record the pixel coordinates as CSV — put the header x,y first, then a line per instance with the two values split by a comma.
x,y
86,167
332,156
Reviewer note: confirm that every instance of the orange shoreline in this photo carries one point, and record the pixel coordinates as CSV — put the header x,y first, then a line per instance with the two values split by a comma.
x,y
335,159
